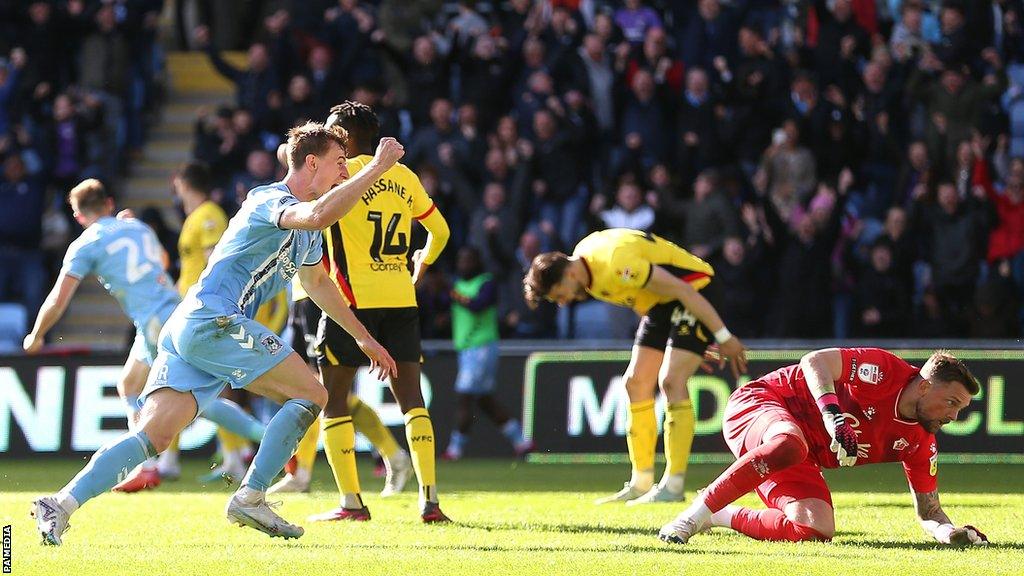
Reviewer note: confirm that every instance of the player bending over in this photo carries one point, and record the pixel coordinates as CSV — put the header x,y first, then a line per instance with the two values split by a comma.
x,y
838,407
211,340
130,263
660,281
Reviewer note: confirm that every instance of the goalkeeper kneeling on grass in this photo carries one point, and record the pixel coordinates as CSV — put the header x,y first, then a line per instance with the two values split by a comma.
x,y
837,407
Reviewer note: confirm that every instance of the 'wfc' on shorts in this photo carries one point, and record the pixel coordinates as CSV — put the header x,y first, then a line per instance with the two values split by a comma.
x,y
478,370
202,355
751,410
397,330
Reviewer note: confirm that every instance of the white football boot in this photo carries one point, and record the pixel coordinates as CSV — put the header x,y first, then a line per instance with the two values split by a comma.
x,y
297,482
629,492
51,520
399,472
684,527
168,465
658,494
249,508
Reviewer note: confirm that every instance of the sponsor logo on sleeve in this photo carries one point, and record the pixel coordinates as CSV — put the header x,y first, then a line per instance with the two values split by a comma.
x,y
869,373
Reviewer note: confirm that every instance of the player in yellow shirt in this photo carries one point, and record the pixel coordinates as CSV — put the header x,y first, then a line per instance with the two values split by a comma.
x,y
659,281
205,222
368,251
305,316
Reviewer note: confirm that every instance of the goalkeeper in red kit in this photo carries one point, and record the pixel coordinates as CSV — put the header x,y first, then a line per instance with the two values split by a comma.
x,y
837,407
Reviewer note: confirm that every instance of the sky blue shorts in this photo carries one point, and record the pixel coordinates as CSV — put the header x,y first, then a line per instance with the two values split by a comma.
x,y
478,370
202,355
144,348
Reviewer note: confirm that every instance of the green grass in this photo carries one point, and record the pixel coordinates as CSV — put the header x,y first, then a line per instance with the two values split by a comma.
x,y
514,518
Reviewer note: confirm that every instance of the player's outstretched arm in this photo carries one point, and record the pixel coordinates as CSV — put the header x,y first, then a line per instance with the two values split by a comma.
x,y
936,523
663,283
51,311
329,208
316,283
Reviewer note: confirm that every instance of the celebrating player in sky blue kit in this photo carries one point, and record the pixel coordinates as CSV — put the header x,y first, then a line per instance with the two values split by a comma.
x,y
129,261
211,340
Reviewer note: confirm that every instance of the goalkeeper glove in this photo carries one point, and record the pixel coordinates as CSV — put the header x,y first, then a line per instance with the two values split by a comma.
x,y
844,438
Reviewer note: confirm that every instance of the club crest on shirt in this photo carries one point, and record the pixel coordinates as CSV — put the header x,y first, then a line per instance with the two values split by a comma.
x,y
900,444
272,344
869,373
627,274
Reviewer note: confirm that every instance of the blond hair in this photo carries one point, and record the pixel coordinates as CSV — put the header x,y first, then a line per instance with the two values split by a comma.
x,y
313,138
89,196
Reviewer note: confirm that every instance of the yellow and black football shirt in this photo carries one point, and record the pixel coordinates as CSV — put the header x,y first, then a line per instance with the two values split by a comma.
x,y
368,249
620,262
200,232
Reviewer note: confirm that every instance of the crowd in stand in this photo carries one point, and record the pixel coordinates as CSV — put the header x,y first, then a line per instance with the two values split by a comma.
x,y
77,78
851,168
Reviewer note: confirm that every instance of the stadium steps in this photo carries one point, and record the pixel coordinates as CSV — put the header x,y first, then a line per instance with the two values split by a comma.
x,y
94,319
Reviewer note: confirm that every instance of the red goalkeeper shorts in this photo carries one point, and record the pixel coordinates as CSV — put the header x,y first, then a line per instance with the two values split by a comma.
x,y
751,410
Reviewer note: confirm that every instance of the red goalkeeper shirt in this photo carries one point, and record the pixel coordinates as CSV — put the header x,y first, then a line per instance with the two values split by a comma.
x,y
868,394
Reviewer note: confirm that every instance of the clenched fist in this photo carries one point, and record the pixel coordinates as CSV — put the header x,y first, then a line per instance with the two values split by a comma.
x,y
388,152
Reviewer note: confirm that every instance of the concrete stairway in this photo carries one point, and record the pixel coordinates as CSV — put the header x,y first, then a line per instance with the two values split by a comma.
x,y
94,320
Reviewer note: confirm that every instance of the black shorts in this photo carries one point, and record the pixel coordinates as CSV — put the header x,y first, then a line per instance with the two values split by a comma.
x,y
671,324
397,329
305,318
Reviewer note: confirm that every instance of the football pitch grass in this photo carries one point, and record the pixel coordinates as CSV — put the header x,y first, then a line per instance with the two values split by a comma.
x,y
510,518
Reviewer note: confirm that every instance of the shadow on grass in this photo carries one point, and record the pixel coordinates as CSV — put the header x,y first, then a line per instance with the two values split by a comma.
x,y
563,528
655,546
883,544
631,548
910,506
594,528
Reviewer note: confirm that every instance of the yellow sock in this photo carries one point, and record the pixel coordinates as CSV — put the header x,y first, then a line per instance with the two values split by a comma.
x,y
305,453
420,434
679,428
340,446
173,446
642,436
230,441
369,424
